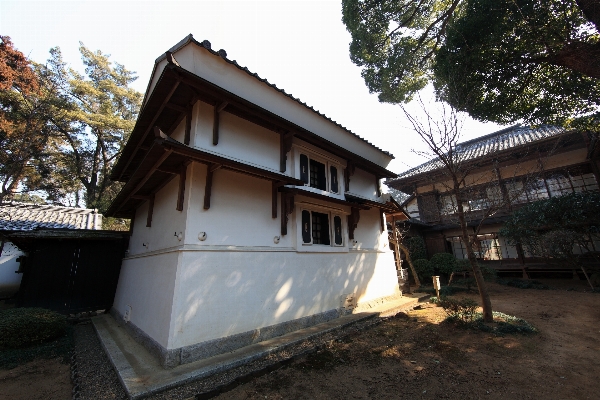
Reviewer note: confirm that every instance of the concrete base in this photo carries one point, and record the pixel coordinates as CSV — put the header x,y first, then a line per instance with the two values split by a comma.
x,y
142,375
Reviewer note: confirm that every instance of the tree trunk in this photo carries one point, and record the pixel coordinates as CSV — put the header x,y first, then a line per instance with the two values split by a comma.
x,y
486,302
412,268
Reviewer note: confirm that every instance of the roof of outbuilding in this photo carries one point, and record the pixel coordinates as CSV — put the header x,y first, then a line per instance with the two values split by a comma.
x,y
223,54
505,139
25,217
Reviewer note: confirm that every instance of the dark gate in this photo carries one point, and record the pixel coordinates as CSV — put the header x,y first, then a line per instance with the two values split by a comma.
x,y
71,274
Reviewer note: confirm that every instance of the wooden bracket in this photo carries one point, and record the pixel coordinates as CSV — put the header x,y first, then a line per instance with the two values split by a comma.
x,y
180,195
348,172
353,219
208,185
218,108
274,190
287,207
382,220
285,145
378,186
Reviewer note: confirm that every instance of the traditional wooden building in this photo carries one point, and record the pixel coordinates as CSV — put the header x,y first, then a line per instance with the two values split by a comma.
x,y
510,168
253,214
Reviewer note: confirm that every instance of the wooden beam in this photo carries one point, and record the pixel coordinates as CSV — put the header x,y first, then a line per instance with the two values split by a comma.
x,y
166,170
150,211
181,192
377,185
151,171
217,110
188,125
285,145
176,107
208,186
382,220
151,124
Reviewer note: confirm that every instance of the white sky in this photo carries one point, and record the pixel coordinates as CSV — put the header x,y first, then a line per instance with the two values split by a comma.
x,y
301,46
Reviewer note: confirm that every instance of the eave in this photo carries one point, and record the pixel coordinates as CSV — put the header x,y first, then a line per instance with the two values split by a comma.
x,y
164,160
175,93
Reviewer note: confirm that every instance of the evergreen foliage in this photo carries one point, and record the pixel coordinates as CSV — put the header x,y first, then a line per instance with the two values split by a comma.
x,y
499,60
21,327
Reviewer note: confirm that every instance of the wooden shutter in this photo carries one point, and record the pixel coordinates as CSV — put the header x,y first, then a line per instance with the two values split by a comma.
x,y
334,179
306,228
428,208
337,230
304,168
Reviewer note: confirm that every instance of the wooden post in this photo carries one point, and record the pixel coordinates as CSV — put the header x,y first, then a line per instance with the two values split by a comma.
x,y
436,285
180,196
150,211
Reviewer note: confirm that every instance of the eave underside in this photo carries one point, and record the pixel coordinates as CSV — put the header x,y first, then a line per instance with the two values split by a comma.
x,y
174,95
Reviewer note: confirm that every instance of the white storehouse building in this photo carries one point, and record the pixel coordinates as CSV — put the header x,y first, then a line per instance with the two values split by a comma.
x,y
253,214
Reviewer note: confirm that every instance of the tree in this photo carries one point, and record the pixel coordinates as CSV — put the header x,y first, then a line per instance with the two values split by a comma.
x,y
470,185
533,60
93,116
23,132
559,228
500,60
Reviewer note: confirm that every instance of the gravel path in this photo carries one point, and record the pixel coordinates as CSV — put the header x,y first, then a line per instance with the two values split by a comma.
x,y
94,378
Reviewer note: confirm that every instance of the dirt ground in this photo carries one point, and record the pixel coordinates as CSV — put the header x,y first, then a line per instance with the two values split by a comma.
x,y
417,356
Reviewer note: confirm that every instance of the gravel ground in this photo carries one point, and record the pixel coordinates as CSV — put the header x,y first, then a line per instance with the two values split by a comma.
x,y
94,378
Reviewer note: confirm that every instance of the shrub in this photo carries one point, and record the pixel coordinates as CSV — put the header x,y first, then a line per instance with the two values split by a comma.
x,y
416,247
444,262
424,269
462,310
21,327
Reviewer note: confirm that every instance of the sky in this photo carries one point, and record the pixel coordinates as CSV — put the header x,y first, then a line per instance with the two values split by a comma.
x,y
300,46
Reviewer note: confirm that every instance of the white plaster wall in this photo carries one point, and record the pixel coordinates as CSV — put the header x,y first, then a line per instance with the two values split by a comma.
x,y
239,213
216,70
363,184
368,234
238,138
146,284
223,293
166,220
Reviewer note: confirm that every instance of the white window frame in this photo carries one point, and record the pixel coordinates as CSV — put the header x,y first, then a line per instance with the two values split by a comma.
x,y
328,162
331,213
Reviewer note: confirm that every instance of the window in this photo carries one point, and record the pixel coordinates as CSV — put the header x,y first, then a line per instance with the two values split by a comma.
x,y
313,173
486,247
316,228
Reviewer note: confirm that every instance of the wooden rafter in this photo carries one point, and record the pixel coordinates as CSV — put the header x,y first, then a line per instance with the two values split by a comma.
x,y
151,124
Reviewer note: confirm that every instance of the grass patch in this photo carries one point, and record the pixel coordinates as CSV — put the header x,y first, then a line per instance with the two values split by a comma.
x,y
503,324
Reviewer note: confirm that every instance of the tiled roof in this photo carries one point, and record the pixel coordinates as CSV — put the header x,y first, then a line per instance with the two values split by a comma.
x,y
471,150
25,217
223,54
